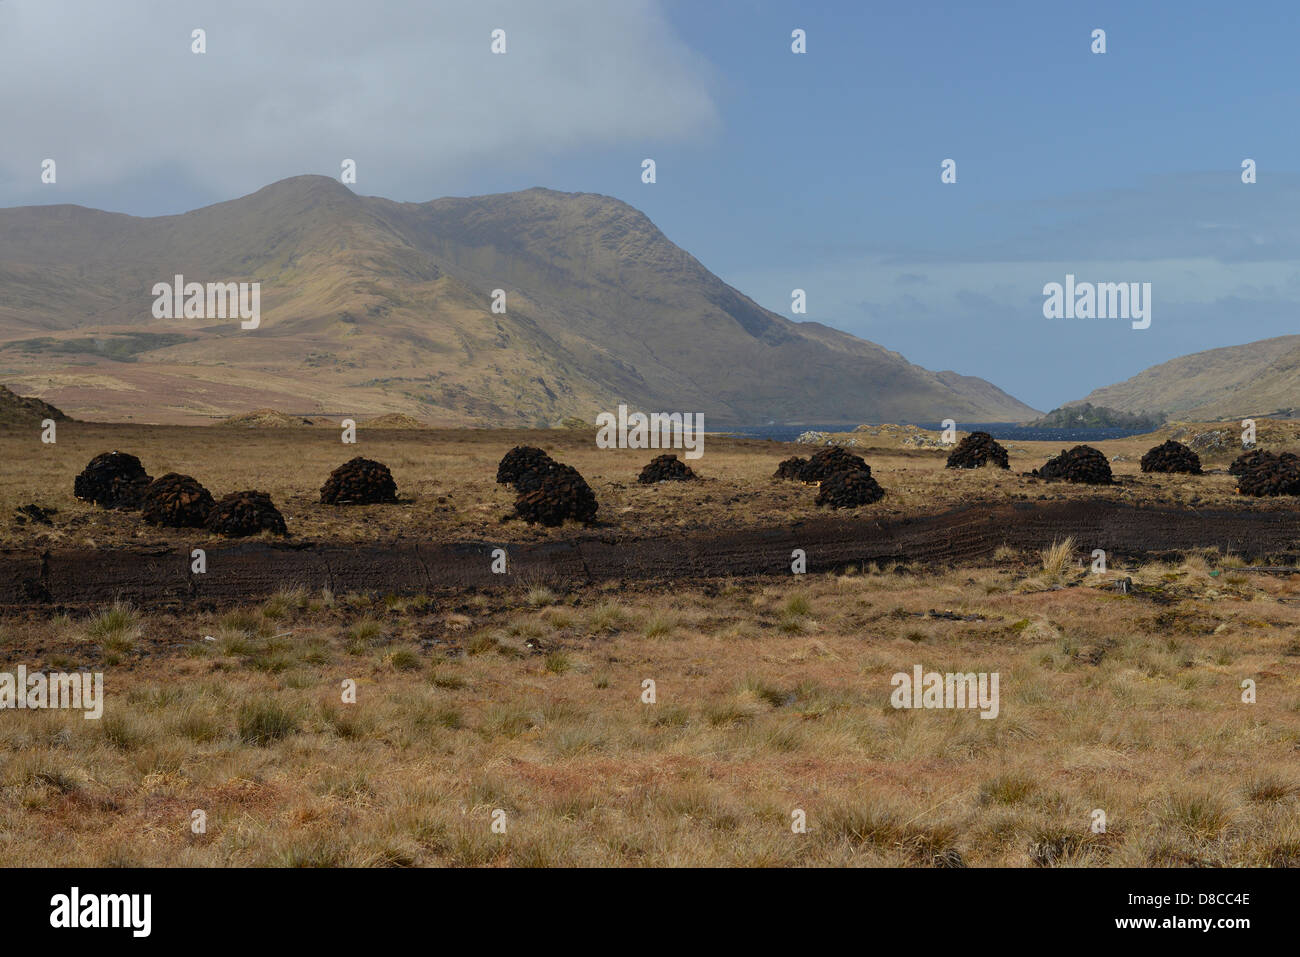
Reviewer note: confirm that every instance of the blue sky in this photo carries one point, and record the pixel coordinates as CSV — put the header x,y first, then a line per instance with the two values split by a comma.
x,y
818,171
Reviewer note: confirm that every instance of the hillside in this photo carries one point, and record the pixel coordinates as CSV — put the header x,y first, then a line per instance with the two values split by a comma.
x,y
371,307
1257,378
18,410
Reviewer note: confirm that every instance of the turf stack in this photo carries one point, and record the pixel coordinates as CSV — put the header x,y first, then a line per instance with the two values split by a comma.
x,y
176,501
791,468
1276,475
245,513
1082,463
561,494
828,461
849,489
666,468
520,461
977,450
359,481
112,480
1172,456
1248,460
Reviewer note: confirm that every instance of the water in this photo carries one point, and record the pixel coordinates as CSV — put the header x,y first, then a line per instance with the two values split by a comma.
x,y
1003,431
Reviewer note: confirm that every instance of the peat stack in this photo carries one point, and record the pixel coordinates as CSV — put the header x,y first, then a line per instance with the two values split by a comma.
x,y
977,450
560,494
112,480
1248,460
791,468
359,481
1172,456
666,468
849,489
176,501
245,513
1278,475
830,460
520,461
1082,464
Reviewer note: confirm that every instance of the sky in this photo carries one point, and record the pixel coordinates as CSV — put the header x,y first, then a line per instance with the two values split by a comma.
x,y
778,170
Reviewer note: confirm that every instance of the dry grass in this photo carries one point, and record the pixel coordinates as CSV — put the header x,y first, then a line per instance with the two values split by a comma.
x,y
770,697
1057,559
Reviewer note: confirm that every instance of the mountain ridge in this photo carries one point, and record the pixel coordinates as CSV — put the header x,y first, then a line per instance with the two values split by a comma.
x,y
385,307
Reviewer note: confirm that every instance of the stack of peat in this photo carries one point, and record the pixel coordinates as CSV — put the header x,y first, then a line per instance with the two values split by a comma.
x,y
1082,464
520,461
977,450
176,501
112,480
830,460
1273,475
561,494
849,489
666,468
791,468
245,513
844,478
1172,456
549,492
1255,457
359,481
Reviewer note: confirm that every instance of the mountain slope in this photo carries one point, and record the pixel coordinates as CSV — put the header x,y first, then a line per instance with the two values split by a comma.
x,y
373,306
1257,378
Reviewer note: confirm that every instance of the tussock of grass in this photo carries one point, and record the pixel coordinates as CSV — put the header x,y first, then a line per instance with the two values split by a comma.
x,y
608,618
798,606
1202,815
1057,559
265,721
540,597
116,630
404,659
660,625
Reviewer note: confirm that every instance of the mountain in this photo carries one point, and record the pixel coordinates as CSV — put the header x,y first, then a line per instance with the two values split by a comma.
x,y
371,306
1259,378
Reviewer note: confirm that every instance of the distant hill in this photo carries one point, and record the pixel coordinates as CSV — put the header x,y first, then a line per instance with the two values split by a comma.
x,y
372,307
1256,379
1085,415
17,410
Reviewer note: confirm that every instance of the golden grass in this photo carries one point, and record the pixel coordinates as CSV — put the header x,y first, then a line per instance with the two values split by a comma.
x,y
771,697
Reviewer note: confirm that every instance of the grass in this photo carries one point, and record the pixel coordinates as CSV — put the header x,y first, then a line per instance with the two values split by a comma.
x,y
264,721
115,629
1057,559
761,710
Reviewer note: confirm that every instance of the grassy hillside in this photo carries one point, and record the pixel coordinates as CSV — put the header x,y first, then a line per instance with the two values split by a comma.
x,y
1257,378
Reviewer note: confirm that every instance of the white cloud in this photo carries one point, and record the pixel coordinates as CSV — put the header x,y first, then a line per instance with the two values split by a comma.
x,y
410,90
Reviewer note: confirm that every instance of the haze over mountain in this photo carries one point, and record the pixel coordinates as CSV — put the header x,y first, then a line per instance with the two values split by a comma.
x,y
1258,378
371,306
